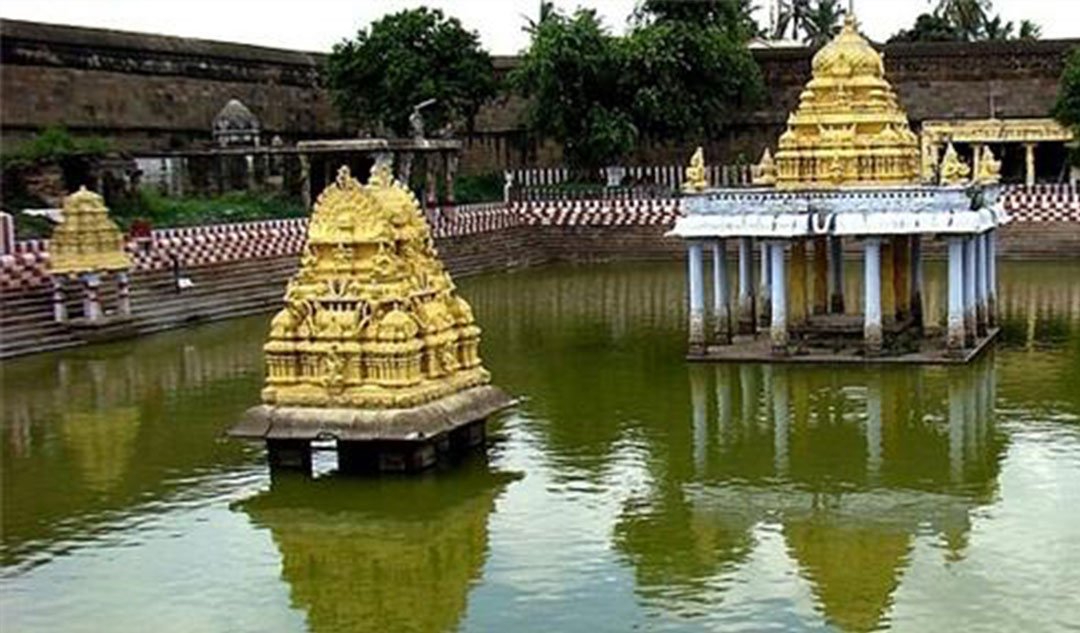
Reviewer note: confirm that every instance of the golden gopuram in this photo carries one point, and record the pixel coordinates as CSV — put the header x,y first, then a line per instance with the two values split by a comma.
x,y
848,127
86,246
373,349
848,168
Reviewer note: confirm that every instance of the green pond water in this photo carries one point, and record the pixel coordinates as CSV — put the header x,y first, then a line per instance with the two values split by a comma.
x,y
628,491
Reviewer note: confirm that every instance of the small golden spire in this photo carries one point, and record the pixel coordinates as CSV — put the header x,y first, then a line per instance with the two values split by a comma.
x,y
765,171
989,168
696,179
954,171
87,240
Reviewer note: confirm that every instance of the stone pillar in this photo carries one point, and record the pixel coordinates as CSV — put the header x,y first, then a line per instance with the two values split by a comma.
x,y
765,288
901,276
721,300
431,187
991,281
451,167
888,285
836,266
305,181
59,303
916,282
821,275
697,297
91,304
955,333
778,333
797,283
123,293
969,291
404,167
746,285
1029,164
872,332
981,273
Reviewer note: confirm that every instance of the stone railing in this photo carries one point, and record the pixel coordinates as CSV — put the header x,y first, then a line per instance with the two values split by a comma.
x,y
638,181
25,265
1042,203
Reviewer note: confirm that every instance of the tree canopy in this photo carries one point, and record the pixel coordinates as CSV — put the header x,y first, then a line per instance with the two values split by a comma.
x,y
965,21
1067,107
682,71
407,58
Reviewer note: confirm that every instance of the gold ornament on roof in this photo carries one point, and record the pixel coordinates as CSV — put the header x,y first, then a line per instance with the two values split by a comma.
x,y
989,168
849,128
765,171
371,319
954,171
696,178
87,240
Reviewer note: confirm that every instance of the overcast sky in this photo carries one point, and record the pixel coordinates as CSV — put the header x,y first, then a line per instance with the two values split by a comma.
x,y
315,25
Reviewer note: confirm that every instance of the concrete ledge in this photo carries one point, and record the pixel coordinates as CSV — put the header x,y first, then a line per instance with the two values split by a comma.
x,y
417,424
758,350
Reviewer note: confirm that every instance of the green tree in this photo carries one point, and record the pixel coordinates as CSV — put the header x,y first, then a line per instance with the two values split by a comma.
x,y
571,75
996,29
823,21
1029,30
929,28
687,79
407,58
1067,107
967,16
736,17
791,14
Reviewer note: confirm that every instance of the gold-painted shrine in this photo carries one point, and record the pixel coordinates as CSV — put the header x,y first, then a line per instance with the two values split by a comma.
x,y
849,127
373,347
371,318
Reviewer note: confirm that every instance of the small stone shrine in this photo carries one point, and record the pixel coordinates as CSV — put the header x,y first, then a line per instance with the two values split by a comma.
x,y
847,169
373,347
86,246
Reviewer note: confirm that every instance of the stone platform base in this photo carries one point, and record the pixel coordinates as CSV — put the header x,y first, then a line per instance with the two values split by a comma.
x,y
375,440
931,351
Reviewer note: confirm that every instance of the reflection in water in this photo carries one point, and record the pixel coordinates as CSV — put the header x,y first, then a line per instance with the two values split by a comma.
x,y
850,464
392,555
657,495
92,431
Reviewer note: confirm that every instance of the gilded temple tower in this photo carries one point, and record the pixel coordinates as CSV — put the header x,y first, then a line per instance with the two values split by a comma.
x,y
373,346
86,246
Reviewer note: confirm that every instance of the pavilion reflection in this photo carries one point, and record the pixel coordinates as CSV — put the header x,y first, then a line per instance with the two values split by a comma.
x,y
850,466
94,433
391,554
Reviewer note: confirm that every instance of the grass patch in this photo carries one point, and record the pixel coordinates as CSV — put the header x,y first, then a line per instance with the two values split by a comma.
x,y
237,206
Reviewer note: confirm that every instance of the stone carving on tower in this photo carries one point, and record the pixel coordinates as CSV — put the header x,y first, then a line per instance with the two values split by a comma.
x,y
696,177
989,168
765,171
954,171
87,240
849,127
371,319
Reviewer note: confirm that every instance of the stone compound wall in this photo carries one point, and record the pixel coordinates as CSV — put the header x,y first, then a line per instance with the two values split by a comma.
x,y
156,92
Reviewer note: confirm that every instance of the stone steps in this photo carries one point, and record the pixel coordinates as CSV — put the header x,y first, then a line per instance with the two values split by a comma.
x,y
219,292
